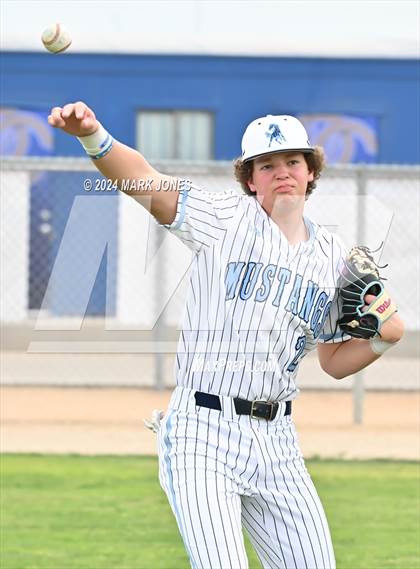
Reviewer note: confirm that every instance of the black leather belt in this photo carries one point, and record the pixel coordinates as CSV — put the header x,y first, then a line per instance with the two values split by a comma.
x,y
256,409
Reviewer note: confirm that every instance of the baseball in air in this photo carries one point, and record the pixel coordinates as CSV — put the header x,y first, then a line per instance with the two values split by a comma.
x,y
56,38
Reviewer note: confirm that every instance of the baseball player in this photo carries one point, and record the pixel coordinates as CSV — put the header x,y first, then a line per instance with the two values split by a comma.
x,y
262,295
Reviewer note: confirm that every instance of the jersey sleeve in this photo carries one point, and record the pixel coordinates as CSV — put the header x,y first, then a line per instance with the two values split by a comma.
x,y
202,217
331,332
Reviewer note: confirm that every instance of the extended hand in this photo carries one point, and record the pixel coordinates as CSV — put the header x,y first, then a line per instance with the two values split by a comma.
x,y
76,119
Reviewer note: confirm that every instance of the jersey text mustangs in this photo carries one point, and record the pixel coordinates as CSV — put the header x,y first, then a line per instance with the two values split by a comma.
x,y
253,281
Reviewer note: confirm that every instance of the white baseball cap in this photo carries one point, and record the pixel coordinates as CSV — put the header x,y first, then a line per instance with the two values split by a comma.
x,y
281,133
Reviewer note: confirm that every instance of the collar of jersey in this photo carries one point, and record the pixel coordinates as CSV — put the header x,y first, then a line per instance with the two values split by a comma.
x,y
307,221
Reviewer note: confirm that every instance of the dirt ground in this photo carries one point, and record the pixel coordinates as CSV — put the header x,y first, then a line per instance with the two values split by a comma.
x,y
110,421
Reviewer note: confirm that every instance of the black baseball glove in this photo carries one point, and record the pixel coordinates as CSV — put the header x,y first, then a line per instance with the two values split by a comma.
x,y
360,277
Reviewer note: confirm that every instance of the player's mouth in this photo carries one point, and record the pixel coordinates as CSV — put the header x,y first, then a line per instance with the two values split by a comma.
x,y
283,189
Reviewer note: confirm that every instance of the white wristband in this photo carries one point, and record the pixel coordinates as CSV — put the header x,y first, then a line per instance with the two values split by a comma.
x,y
97,144
379,346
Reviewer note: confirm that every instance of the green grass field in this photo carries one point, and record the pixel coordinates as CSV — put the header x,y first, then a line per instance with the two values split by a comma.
x,y
68,512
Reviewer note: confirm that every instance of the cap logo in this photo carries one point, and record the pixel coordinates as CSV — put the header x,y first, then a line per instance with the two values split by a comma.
x,y
274,133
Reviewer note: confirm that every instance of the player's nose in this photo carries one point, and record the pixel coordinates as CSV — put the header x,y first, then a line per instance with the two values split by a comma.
x,y
281,172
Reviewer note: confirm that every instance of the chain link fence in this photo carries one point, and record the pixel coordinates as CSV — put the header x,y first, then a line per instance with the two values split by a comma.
x,y
92,289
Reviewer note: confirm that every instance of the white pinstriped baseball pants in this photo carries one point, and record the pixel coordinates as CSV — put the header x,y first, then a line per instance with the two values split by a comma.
x,y
221,471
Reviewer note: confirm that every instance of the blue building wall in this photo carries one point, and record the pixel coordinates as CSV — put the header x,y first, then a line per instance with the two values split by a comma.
x,y
235,89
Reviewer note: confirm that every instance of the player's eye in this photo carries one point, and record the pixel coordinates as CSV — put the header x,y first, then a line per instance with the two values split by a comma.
x,y
293,162
265,166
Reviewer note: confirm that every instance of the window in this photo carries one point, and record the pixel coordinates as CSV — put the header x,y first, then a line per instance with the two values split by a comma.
x,y
175,135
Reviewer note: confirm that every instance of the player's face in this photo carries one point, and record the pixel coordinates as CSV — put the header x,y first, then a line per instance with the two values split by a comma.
x,y
280,178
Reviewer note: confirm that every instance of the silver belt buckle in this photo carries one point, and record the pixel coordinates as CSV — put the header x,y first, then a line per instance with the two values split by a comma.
x,y
254,409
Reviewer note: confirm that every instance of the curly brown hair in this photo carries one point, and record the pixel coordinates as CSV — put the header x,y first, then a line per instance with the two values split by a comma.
x,y
315,161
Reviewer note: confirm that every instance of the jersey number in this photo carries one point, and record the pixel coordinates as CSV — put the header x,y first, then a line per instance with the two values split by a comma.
x,y
300,346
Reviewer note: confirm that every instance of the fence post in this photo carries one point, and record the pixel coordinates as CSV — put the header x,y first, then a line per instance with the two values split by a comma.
x,y
158,237
358,378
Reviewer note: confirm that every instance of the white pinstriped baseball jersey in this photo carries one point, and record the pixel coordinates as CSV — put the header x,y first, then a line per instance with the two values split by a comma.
x,y
256,304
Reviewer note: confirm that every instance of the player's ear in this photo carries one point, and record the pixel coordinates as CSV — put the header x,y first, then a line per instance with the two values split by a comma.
x,y
311,167
251,186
